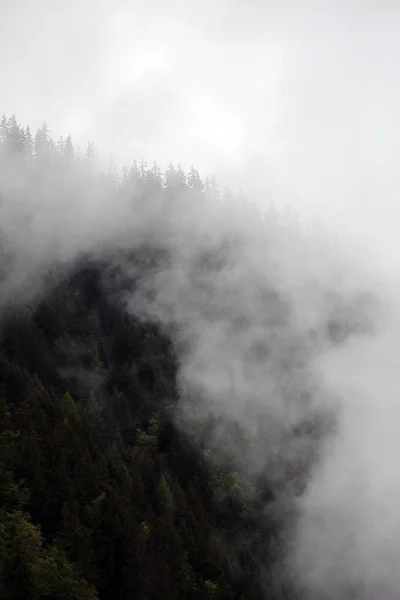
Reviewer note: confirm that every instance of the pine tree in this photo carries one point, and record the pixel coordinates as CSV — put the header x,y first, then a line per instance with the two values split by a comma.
x,y
14,141
193,180
43,143
28,141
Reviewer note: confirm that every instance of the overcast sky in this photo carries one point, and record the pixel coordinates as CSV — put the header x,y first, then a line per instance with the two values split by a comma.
x,y
295,101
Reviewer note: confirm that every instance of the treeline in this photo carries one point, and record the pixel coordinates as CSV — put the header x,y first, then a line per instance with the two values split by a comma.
x,y
16,140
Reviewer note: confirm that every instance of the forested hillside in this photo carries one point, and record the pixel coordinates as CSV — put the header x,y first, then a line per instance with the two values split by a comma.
x,y
159,411
102,493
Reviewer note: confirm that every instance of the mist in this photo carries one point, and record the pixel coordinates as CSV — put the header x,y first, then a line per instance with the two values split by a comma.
x,y
286,325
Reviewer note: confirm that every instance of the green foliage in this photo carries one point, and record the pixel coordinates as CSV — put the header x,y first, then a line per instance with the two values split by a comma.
x,y
145,530
55,577
164,496
69,408
28,570
212,589
91,412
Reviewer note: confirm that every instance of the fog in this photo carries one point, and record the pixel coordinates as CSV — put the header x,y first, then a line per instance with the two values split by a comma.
x,y
298,105
296,101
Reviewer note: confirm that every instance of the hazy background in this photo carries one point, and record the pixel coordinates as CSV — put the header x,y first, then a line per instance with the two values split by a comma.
x,y
294,101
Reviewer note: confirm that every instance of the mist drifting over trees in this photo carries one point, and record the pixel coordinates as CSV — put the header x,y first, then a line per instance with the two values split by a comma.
x,y
198,399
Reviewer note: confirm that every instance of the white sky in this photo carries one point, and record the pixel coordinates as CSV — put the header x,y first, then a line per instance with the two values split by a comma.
x,y
295,101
